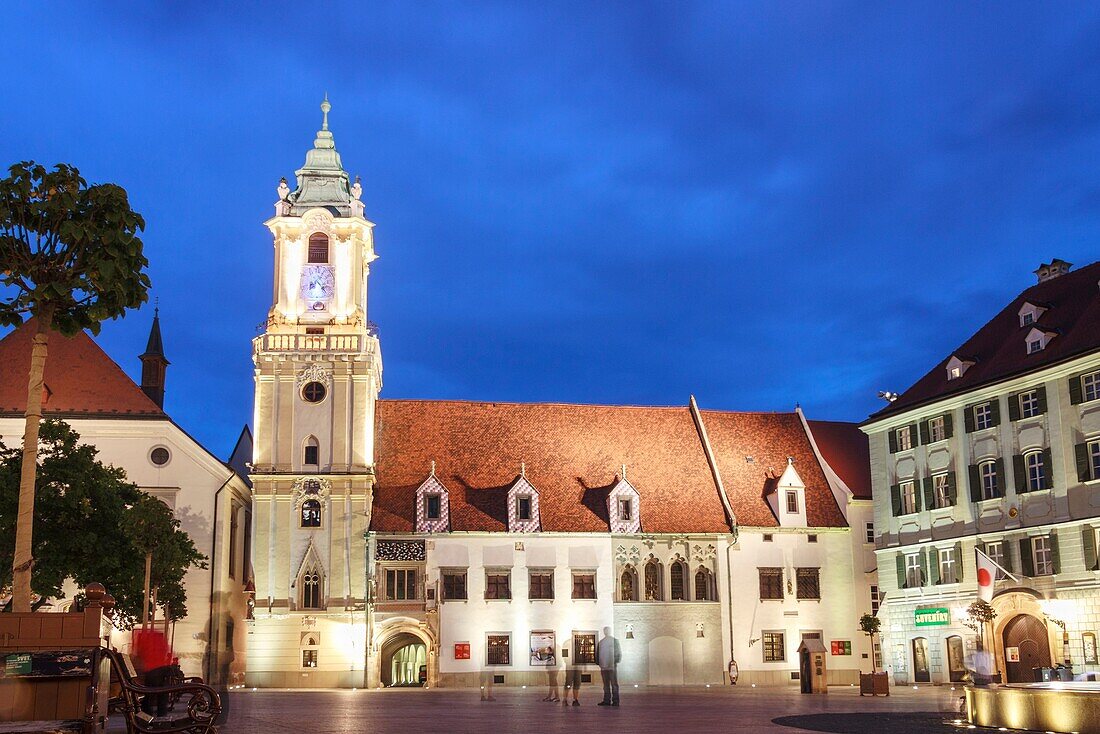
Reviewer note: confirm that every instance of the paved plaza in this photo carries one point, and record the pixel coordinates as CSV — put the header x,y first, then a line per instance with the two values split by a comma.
x,y
667,711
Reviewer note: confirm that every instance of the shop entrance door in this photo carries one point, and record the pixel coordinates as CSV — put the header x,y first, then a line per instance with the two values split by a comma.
x,y
955,666
920,661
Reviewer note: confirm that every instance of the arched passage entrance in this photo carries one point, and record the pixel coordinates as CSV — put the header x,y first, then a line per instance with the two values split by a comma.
x,y
1028,635
404,661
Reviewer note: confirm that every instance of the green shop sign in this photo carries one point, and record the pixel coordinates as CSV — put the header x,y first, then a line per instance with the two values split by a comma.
x,y
937,617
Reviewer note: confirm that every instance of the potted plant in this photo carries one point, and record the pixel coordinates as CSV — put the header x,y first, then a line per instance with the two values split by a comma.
x,y
874,683
980,615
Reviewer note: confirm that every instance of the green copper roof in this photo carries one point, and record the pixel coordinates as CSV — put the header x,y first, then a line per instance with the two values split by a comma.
x,y
322,181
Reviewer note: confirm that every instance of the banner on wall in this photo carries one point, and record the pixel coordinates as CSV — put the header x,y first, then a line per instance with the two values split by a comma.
x,y
543,649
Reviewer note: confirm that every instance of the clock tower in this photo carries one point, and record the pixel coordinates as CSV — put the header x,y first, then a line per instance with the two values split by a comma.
x,y
318,373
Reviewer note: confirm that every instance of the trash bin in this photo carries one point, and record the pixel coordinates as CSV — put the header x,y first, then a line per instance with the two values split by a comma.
x,y
1042,675
1063,673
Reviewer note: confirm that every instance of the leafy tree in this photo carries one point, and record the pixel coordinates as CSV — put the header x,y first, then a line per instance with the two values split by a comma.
x,y
870,625
71,258
93,525
978,615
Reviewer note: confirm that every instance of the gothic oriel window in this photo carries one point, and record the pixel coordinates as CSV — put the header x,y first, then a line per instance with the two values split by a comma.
x,y
678,574
311,590
311,514
704,585
653,581
628,584
318,248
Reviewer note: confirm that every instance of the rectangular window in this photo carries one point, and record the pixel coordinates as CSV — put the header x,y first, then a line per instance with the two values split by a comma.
x,y
947,566
870,529
1035,345
309,658
983,416
991,489
626,506
498,649
913,574
1090,386
311,454
905,438
1029,404
809,583
498,585
1036,471
454,585
584,648
1027,319
584,585
401,584
1044,559
941,490
433,506
523,508
792,502
996,552
234,527
937,431
771,583
540,585
874,600
774,647
908,497
1094,458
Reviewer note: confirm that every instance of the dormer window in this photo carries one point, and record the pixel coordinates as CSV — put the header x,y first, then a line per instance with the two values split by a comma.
x,y
1034,345
432,506
523,508
623,503
957,367
626,509
1029,313
1037,339
1027,319
792,502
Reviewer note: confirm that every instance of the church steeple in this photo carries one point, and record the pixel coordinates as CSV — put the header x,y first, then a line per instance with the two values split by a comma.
x,y
322,180
154,364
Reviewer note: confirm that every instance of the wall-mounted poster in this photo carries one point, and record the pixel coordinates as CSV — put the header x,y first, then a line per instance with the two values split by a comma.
x,y
1012,654
462,651
1088,641
543,649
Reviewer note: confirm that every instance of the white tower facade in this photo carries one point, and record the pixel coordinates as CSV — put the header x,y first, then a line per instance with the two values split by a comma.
x,y
318,374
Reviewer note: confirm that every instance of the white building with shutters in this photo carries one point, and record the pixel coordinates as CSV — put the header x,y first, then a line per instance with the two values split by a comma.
x,y
997,447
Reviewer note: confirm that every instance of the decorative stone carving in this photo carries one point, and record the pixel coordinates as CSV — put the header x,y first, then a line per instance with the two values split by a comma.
x,y
400,550
704,553
317,221
314,373
307,488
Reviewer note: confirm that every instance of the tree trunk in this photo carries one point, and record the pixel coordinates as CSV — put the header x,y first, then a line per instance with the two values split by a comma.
x,y
23,561
145,604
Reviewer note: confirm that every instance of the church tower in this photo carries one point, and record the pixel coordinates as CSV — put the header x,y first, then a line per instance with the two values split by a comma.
x,y
318,374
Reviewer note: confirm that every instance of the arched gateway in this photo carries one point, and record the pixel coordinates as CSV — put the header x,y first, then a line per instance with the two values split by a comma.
x,y
1026,646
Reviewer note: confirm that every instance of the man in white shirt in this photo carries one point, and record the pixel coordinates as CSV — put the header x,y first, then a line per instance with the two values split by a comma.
x,y
608,655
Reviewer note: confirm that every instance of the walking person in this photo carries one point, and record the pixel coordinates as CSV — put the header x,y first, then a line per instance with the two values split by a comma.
x,y
608,655
552,693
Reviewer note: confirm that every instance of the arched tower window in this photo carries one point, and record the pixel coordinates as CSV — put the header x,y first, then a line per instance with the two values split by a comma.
x,y
628,584
311,514
312,451
318,248
653,580
311,589
678,579
704,585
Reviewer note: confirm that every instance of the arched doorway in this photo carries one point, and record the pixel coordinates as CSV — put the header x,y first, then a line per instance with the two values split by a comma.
x,y
956,668
1028,635
921,673
404,661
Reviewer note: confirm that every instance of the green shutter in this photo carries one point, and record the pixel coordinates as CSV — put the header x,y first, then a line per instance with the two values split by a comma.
x,y
1075,395
925,435
1019,473
1014,407
929,499
1088,542
975,484
948,425
1027,565
923,567
901,570
1054,551
1041,395
952,489
995,410
892,437
1000,466
895,498
1048,469
968,419
1081,453
959,562
914,432
934,567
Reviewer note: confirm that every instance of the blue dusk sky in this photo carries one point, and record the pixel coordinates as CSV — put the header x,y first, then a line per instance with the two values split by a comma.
x,y
762,204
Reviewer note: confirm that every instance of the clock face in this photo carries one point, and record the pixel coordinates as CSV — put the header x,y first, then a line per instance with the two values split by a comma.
x,y
318,285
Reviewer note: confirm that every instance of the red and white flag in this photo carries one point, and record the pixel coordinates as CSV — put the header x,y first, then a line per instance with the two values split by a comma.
x,y
987,574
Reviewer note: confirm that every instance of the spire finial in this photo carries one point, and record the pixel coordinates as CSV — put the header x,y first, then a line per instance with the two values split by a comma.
x,y
433,467
523,468
325,107
623,475
156,307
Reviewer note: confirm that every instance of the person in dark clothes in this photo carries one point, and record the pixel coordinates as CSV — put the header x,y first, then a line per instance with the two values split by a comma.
x,y
608,655
155,660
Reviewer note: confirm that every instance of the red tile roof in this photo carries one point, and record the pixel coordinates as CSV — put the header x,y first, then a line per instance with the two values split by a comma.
x,y
572,455
80,379
846,449
768,439
998,349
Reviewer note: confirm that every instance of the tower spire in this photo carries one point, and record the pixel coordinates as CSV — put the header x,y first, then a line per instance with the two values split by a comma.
x,y
154,364
325,107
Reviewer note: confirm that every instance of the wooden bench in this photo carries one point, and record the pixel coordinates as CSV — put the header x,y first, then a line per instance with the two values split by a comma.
x,y
52,691
200,714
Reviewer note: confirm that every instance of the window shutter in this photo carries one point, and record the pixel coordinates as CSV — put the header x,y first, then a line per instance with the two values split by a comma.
x,y
1006,548
1048,469
952,489
1014,407
1041,396
995,411
901,570
1075,396
968,418
1084,471
975,484
929,500
959,562
1000,466
913,433
924,435
895,498
892,435
1054,551
1019,472
1027,566
923,567
948,426
1088,541
934,567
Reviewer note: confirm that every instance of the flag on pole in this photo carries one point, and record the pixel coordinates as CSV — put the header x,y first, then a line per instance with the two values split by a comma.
x,y
987,574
